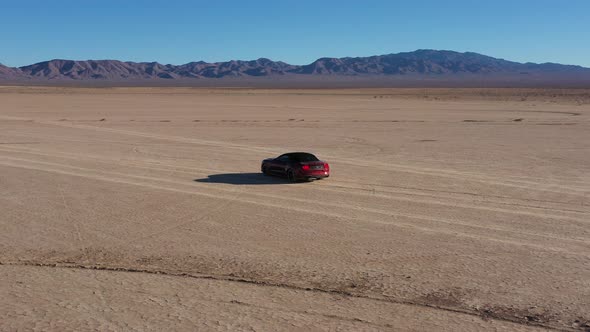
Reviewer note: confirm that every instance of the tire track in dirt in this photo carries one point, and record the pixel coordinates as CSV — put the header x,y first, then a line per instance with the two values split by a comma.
x,y
388,213
465,206
529,185
475,206
106,160
433,224
468,176
391,195
210,212
443,194
194,170
370,187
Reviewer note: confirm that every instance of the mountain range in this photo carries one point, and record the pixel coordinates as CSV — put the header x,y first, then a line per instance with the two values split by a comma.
x,y
418,64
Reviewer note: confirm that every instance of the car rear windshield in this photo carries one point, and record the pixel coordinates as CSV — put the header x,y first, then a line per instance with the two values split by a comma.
x,y
303,157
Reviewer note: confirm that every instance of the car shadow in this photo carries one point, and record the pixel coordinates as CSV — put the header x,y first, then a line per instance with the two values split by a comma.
x,y
243,179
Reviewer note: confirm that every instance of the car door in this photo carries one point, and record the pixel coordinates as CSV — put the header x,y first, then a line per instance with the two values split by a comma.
x,y
281,164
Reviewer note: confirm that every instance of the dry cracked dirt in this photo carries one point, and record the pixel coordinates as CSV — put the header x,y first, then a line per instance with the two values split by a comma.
x,y
145,209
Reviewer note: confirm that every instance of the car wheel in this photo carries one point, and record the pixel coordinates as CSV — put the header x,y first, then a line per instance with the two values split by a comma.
x,y
291,176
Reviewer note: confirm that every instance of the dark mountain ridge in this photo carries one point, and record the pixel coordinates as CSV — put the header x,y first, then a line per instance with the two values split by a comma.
x,y
420,63
428,62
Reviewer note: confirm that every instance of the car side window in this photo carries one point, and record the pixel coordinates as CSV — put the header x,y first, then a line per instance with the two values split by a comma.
x,y
283,158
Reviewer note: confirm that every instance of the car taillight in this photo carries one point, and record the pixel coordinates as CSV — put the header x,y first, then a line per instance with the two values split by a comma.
x,y
305,167
326,167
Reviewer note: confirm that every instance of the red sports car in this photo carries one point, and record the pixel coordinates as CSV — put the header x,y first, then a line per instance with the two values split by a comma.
x,y
296,166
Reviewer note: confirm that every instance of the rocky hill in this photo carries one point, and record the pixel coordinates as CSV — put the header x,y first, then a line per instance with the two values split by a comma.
x,y
420,63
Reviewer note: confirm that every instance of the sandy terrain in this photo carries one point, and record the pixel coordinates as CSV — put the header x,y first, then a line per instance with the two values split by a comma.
x,y
144,209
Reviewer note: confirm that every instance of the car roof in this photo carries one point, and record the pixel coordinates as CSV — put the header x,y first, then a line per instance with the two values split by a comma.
x,y
300,156
298,153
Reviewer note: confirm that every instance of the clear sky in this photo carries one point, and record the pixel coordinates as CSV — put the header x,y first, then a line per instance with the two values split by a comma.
x,y
297,32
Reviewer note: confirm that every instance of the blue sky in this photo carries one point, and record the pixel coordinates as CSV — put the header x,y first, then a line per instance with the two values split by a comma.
x,y
296,32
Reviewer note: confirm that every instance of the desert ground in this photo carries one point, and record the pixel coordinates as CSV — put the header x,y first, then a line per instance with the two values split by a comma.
x,y
145,209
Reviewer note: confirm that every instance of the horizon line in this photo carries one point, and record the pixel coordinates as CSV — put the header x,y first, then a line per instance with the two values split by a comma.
x,y
265,58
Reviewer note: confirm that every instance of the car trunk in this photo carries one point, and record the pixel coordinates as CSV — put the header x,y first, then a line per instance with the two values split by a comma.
x,y
312,168
314,165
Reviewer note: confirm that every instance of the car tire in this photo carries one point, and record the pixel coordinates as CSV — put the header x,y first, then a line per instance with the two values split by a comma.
x,y
291,176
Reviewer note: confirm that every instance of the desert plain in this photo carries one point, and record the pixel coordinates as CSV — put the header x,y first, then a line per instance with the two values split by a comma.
x,y
144,209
